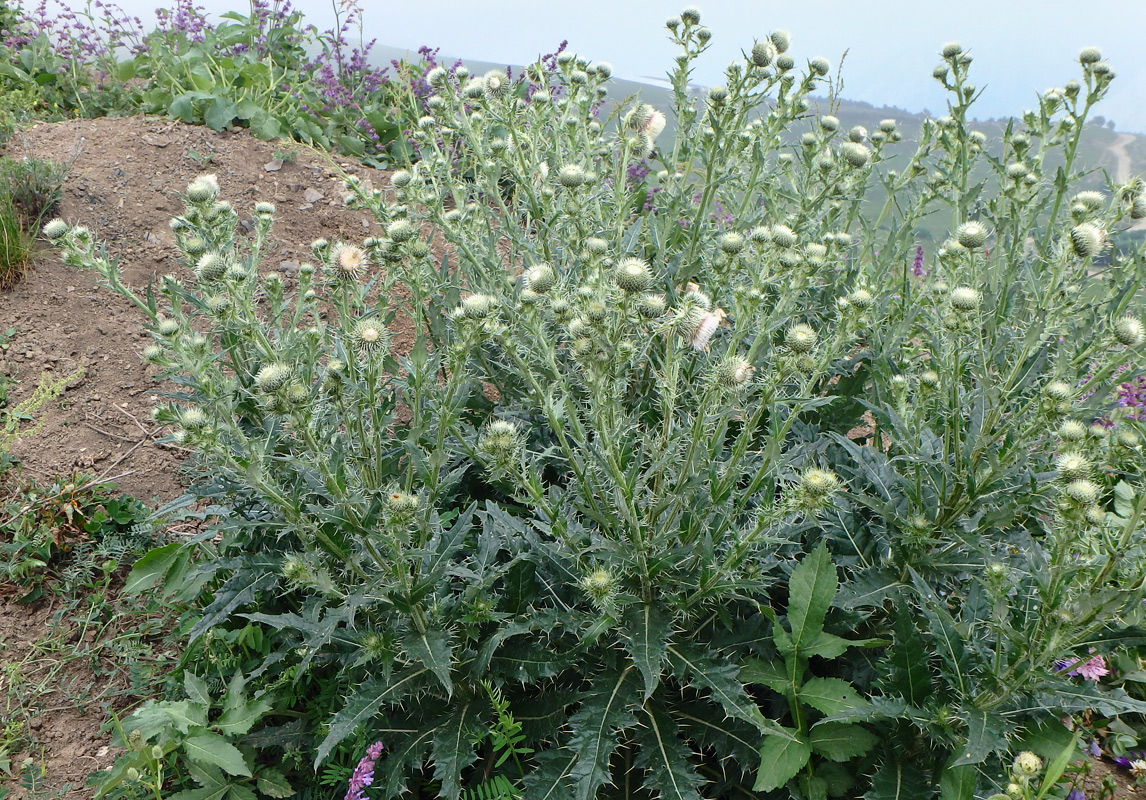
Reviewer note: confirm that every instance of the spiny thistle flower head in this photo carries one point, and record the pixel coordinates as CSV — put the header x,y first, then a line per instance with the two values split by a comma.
x,y
1098,431
855,154
401,179
320,248
703,35
203,189
401,230
652,306
731,242
1072,467
210,268
272,377
816,254
734,373
1129,331
218,304
632,275
782,40
718,95
785,62
783,236
820,66
265,209
402,505
477,306
816,485
167,328
603,69
193,418
1027,764
600,585
495,83
1017,170
861,299
153,354
571,176
888,125
1059,391
370,339
1072,431
929,379
801,338
1089,55
1090,199
857,134
500,439
55,229
972,235
965,299
1127,438
951,50
541,277
690,15
596,246
829,123
1087,239
1082,491
763,53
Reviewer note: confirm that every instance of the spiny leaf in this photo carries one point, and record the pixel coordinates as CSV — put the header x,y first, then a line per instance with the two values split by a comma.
x,y
645,633
433,650
984,736
896,781
719,676
811,589
606,710
364,703
453,751
669,775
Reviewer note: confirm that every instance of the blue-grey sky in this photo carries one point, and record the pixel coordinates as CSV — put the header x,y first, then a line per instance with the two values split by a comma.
x,y
1021,47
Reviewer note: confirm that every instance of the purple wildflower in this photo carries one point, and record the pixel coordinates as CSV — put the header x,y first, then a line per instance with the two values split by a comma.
x,y
1076,794
363,774
917,264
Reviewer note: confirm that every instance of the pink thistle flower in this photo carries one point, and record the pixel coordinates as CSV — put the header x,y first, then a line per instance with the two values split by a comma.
x,y
1093,669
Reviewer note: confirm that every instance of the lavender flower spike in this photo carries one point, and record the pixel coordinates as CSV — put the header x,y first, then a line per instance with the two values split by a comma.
x,y
363,774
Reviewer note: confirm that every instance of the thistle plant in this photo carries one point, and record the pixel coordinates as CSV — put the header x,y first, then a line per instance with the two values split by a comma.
x,y
636,423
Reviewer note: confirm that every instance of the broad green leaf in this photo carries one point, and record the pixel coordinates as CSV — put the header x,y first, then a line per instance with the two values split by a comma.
x,y
828,645
1056,768
433,650
829,695
908,670
645,632
810,591
211,748
665,759
266,127
200,794
151,568
453,750
241,791
196,689
984,736
240,719
767,673
365,702
220,114
154,717
958,783
780,761
273,783
839,741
